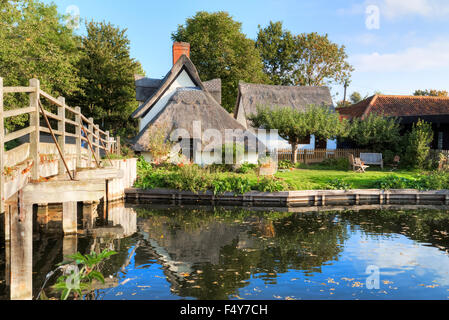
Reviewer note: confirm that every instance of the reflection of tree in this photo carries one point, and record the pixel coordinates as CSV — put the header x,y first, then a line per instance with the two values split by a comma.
x,y
429,226
221,249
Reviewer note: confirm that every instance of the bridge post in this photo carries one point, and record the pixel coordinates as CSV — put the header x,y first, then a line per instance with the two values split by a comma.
x,y
89,136
118,146
34,136
21,284
69,217
69,245
108,143
61,138
98,137
2,151
78,136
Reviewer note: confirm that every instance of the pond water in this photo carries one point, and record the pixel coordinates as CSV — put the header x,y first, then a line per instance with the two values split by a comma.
x,y
223,253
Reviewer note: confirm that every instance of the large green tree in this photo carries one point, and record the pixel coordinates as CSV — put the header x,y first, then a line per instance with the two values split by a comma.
x,y
35,43
277,48
219,49
307,59
107,73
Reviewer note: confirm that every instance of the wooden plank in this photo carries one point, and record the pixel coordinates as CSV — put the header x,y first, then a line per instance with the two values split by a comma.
x,y
35,123
21,286
19,133
61,138
50,98
56,132
2,150
18,89
17,112
71,122
52,115
57,191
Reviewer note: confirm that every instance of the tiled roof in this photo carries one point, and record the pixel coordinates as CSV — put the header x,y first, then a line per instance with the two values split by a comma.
x,y
397,106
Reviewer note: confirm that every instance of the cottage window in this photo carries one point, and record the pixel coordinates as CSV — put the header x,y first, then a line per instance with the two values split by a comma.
x,y
440,140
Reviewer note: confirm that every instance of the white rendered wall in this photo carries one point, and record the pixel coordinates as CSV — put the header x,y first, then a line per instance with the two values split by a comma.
x,y
182,81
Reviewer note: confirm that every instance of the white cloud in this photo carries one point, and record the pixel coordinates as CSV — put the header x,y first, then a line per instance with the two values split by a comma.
x,y
434,55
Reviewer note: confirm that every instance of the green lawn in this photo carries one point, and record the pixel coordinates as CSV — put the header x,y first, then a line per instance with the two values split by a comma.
x,y
313,179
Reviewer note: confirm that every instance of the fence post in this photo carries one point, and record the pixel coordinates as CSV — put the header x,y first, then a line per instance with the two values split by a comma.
x,y
119,152
97,138
2,151
78,136
35,136
89,136
61,138
108,144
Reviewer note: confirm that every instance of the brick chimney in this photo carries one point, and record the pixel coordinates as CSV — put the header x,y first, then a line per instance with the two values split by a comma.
x,y
180,48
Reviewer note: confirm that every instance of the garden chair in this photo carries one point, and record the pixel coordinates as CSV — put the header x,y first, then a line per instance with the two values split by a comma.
x,y
359,165
395,163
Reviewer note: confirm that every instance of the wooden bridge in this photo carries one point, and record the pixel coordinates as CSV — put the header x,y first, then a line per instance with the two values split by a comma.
x,y
58,161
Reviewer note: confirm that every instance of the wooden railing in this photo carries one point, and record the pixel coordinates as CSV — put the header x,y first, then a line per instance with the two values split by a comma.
x,y
317,155
85,129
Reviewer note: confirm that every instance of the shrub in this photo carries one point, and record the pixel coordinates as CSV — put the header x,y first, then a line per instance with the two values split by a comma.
x,y
395,182
338,184
189,178
338,164
268,184
418,148
285,164
246,168
235,184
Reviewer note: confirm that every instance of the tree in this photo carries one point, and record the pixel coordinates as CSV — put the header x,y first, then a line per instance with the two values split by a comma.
x,y
431,93
107,71
355,97
277,49
320,61
296,126
376,132
418,147
34,43
219,49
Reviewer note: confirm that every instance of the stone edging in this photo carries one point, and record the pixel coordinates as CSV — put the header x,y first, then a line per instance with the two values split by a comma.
x,y
293,198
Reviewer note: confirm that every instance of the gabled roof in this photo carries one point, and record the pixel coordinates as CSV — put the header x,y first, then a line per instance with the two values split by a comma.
x,y
184,63
184,107
299,97
397,106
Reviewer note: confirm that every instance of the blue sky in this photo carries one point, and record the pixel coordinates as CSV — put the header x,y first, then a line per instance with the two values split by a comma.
x,y
408,49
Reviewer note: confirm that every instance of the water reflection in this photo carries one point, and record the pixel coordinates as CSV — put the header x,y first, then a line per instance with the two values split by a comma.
x,y
218,253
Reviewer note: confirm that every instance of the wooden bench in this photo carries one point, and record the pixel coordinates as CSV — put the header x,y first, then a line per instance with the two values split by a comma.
x,y
372,158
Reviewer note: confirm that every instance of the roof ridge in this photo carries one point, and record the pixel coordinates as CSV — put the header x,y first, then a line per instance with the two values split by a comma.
x,y
412,96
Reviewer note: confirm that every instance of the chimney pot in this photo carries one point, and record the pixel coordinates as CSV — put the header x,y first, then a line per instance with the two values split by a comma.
x,y
179,49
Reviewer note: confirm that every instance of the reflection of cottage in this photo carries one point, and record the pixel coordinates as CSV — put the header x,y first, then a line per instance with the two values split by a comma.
x,y
251,96
180,99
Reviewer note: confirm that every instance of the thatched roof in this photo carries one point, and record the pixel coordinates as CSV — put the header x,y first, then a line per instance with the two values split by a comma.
x,y
186,106
183,63
253,95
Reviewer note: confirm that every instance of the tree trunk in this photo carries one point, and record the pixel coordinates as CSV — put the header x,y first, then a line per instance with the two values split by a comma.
x,y
294,152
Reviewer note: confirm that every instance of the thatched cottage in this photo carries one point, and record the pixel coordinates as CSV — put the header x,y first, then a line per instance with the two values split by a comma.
x,y
250,96
180,101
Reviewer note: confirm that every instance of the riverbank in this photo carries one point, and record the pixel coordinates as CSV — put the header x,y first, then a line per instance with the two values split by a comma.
x,y
301,198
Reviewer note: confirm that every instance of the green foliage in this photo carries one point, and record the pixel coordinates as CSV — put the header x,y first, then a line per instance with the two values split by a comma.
x,y
219,49
231,183
355,97
247,168
269,184
107,73
307,59
285,164
35,43
431,93
338,184
418,147
277,48
337,164
296,126
376,133
432,181
89,269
